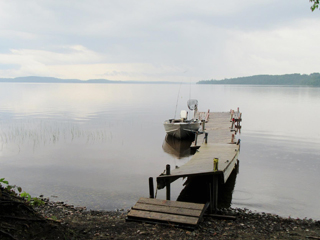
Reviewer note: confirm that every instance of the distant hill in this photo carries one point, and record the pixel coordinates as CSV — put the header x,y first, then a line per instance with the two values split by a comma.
x,y
287,79
34,79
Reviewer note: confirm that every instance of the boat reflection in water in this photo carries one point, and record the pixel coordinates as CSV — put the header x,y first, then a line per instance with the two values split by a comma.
x,y
179,148
196,189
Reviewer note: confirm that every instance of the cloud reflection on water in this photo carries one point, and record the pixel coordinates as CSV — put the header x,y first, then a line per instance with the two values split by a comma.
x,y
94,144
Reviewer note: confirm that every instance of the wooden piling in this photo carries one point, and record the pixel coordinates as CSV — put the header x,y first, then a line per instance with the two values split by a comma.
x,y
214,194
215,184
196,139
168,187
151,188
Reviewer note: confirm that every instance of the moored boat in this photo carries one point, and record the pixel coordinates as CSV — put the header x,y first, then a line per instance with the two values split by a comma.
x,y
183,128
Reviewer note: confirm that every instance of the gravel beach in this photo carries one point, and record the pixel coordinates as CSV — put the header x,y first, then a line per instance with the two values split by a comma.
x,y
58,220
112,225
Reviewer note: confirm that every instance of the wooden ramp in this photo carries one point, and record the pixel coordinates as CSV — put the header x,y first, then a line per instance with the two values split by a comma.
x,y
168,212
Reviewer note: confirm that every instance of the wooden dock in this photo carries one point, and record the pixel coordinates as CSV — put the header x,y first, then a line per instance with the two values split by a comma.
x,y
219,144
217,156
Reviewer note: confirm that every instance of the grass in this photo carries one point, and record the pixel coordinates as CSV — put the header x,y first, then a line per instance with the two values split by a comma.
x,y
45,132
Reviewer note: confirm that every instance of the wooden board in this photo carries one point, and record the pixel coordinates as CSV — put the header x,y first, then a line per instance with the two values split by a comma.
x,y
186,205
163,217
165,211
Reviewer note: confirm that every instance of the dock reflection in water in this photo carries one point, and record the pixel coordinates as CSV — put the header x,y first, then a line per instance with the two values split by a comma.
x,y
196,189
179,148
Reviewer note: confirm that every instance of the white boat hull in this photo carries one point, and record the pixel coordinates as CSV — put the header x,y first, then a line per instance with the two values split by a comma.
x,y
181,129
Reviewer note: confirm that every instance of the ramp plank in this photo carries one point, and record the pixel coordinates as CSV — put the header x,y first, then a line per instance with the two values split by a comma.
x,y
171,203
167,209
163,217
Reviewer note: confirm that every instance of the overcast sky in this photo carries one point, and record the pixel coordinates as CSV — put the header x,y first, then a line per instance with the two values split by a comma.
x,y
146,40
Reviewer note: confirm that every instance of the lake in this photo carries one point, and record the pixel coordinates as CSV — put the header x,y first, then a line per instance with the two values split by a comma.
x,y
96,145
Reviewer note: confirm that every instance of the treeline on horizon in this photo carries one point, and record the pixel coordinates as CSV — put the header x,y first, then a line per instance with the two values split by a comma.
x,y
287,79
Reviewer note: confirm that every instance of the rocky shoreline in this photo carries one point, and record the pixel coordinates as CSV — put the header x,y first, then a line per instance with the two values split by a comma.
x,y
83,224
20,220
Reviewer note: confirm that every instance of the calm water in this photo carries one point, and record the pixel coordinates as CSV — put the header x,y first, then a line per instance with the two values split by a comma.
x,y
96,145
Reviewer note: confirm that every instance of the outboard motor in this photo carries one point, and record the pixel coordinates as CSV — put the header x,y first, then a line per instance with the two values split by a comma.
x,y
193,105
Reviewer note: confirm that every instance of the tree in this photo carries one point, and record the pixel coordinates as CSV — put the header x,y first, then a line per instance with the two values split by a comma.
x,y
314,5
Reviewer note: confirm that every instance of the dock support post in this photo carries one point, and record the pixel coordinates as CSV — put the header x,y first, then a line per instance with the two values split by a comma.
x,y
206,137
203,125
151,189
214,194
168,187
196,139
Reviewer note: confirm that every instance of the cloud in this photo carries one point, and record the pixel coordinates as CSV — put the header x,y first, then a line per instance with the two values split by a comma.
x,y
81,63
156,40
290,49
38,62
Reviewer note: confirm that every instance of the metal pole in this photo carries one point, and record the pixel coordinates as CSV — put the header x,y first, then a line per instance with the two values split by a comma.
x,y
151,189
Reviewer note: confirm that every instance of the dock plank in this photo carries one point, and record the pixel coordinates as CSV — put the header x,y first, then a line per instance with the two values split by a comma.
x,y
186,205
164,217
167,209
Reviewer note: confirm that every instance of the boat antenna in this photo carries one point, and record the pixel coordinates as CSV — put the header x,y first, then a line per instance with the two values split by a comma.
x,y
175,112
189,90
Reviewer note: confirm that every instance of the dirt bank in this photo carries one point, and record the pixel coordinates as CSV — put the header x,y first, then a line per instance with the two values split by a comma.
x,y
57,220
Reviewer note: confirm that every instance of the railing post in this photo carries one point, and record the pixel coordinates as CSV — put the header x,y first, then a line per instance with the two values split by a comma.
x,y
232,138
